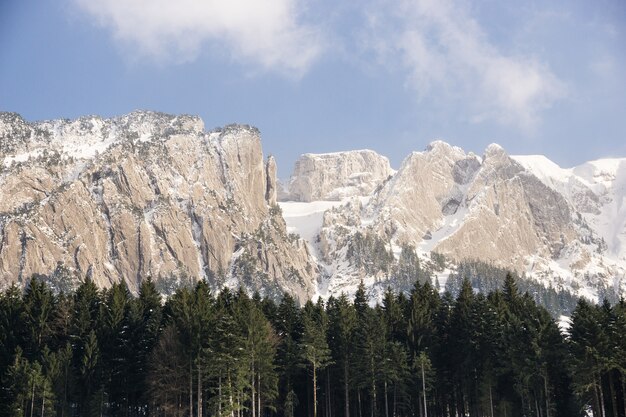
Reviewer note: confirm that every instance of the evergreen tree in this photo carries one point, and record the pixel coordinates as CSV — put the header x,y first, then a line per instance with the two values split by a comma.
x,y
167,374
343,323
288,325
586,337
38,315
314,349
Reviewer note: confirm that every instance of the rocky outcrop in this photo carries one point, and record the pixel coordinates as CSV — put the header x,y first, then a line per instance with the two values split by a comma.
x,y
491,209
272,183
146,194
151,194
511,215
334,176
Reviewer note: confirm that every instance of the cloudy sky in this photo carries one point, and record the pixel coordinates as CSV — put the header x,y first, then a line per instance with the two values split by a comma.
x,y
536,76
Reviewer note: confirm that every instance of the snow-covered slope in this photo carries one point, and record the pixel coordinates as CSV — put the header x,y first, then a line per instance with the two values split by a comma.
x,y
564,228
597,189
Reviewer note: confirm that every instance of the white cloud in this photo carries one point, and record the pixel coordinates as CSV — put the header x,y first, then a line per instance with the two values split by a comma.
x,y
448,55
264,32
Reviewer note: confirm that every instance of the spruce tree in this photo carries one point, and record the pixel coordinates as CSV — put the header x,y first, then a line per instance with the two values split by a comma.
x,y
314,349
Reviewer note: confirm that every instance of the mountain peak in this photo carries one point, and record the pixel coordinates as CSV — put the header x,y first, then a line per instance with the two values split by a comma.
x,y
494,149
442,146
437,144
333,176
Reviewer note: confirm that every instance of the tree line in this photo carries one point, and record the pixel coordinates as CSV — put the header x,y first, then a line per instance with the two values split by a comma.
x,y
104,352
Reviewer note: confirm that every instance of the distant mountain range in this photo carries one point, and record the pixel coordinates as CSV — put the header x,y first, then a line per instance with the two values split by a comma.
x,y
151,194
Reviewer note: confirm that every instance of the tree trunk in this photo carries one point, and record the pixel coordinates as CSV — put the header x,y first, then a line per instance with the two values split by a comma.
x,y
32,400
386,401
613,394
358,394
547,394
65,382
395,398
536,407
424,391
460,402
596,401
230,396
199,390
623,390
219,395
314,391
373,410
259,393
190,388
328,402
346,388
602,408
253,392
43,400
491,400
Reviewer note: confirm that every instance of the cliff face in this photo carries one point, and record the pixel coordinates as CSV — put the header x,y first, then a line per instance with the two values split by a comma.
x,y
334,176
145,194
155,195
490,208
464,207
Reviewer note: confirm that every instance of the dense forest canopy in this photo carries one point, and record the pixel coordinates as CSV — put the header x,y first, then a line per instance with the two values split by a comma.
x,y
104,352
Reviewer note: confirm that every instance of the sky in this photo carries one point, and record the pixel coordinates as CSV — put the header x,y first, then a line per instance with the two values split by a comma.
x,y
536,76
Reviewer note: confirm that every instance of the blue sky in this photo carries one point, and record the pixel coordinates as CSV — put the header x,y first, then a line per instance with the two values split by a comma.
x,y
545,76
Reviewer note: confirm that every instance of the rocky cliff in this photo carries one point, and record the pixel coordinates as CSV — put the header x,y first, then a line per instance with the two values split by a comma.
x,y
146,194
155,195
493,208
333,176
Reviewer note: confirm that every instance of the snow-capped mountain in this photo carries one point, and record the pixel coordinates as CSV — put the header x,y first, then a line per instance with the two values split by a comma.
x,y
151,194
564,228
145,194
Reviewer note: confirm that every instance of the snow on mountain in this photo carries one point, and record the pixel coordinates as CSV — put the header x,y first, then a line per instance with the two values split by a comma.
x,y
88,136
145,194
562,227
155,194
333,176
597,189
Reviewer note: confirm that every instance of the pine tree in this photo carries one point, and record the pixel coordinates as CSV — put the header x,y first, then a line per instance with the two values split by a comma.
x,y
586,343
38,314
370,345
288,325
343,323
314,349
463,350
260,343
89,378
167,374
145,316
12,336
86,361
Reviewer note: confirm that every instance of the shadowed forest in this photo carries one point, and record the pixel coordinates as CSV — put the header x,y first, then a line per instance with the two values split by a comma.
x,y
104,352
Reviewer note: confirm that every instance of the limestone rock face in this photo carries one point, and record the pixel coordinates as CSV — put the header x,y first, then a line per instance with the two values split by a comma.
x,y
334,176
146,194
490,208
425,187
272,183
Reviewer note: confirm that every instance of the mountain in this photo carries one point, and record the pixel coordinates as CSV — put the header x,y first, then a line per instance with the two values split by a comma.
x,y
155,195
334,176
561,228
145,194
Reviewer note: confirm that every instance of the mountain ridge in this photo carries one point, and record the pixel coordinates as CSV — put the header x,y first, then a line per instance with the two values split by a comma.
x,y
152,194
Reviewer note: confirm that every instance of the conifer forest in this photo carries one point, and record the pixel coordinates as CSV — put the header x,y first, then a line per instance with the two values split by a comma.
x,y
97,352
